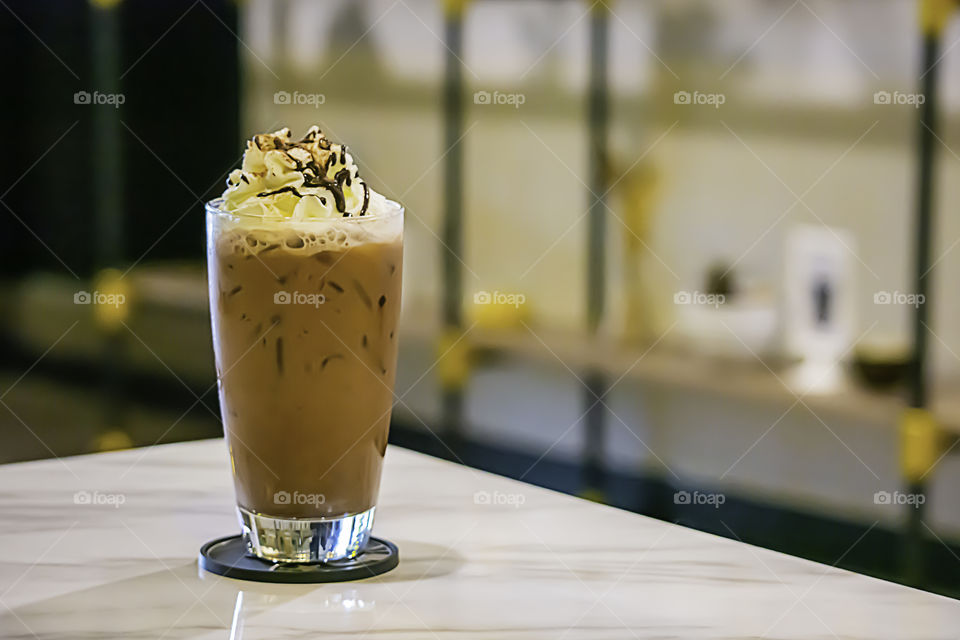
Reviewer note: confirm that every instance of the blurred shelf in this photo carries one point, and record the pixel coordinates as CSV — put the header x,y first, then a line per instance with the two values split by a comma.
x,y
170,315
667,366
167,329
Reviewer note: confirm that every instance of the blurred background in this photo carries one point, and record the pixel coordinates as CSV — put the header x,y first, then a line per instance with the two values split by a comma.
x,y
692,259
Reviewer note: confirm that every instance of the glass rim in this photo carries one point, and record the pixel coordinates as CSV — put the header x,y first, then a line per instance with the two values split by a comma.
x,y
215,207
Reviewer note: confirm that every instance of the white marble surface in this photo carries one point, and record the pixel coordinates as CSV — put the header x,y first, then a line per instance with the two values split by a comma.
x,y
481,557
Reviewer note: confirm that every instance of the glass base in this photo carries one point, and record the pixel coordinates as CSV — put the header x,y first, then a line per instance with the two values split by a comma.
x,y
304,539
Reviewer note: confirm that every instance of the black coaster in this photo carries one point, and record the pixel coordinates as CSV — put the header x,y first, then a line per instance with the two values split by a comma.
x,y
230,557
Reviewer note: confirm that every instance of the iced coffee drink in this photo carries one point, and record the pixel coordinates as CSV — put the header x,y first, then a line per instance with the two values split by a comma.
x,y
305,266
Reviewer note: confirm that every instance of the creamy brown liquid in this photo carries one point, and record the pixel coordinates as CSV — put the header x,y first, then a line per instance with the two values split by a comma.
x,y
305,386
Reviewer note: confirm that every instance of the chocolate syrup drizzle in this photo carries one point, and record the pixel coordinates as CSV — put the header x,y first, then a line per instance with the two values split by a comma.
x,y
292,190
313,175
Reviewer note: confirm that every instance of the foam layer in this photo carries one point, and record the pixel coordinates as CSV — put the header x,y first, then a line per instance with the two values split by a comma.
x,y
251,235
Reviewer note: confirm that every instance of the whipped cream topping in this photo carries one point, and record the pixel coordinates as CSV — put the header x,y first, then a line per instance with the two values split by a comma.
x,y
310,178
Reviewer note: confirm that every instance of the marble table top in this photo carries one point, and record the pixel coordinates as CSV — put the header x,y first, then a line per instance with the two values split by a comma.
x,y
105,546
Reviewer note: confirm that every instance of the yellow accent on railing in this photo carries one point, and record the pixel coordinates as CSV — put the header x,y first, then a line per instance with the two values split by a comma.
x,y
920,444
453,359
112,440
105,4
110,299
601,5
499,310
593,495
934,15
455,7
638,189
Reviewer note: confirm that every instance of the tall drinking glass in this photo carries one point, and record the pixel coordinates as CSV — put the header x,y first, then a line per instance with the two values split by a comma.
x,y
304,317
